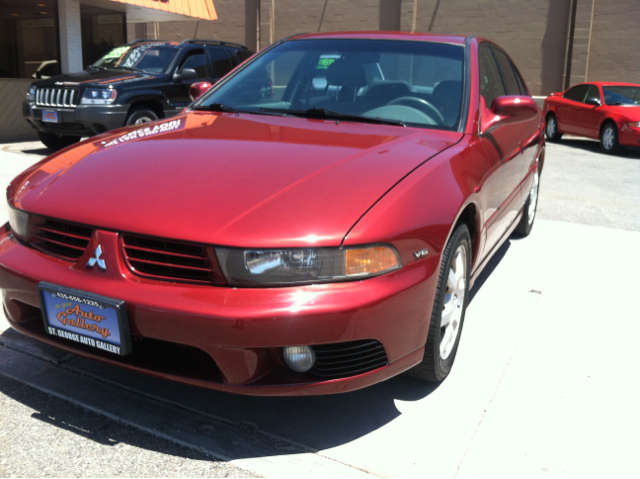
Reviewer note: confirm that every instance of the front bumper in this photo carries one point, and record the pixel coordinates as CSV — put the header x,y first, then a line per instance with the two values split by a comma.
x,y
226,338
628,136
81,120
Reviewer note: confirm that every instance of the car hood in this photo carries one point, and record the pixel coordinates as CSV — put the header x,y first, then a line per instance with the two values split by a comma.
x,y
238,180
96,78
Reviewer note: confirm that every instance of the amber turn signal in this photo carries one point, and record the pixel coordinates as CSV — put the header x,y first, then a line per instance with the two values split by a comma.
x,y
366,261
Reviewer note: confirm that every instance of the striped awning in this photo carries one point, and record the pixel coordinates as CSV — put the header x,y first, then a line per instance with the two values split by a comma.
x,y
202,9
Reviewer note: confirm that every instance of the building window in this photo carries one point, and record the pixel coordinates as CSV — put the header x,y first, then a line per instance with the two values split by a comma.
x,y
28,39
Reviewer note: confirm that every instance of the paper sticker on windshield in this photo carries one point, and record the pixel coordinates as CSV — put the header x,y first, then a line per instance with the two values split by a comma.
x,y
117,52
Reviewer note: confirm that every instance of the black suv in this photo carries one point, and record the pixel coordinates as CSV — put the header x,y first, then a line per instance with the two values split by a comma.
x,y
138,82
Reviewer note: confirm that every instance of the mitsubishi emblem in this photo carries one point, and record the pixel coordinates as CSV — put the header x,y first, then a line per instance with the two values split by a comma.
x,y
92,261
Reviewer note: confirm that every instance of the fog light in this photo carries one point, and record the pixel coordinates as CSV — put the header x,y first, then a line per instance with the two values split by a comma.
x,y
299,358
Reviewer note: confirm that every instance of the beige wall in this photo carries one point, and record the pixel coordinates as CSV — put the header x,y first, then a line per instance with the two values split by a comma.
x,y
534,32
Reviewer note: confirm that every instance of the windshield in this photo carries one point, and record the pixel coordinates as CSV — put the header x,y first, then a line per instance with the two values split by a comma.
x,y
402,82
149,57
621,95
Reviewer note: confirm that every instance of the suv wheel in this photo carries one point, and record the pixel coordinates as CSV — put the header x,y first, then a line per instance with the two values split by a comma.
x,y
141,114
57,142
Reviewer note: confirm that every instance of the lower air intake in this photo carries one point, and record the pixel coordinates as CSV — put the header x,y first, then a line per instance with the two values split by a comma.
x,y
342,360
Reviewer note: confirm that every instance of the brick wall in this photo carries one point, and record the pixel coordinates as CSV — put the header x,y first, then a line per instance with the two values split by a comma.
x,y
533,32
614,54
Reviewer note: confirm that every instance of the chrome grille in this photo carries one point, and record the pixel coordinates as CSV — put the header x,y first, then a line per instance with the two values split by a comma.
x,y
60,97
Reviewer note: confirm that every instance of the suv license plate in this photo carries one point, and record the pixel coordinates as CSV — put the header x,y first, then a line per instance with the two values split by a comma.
x,y
50,116
85,318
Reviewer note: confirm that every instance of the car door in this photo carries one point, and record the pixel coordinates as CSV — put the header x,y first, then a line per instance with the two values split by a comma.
x,y
220,62
503,146
567,110
193,59
587,119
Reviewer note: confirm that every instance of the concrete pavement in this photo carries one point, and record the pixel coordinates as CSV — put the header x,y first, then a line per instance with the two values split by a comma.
x,y
543,384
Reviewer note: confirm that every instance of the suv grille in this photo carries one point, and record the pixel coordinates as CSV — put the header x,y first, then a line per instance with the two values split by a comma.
x,y
57,97
168,260
341,360
60,239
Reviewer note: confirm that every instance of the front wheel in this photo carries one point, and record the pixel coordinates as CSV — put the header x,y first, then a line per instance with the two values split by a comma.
x,y
529,210
449,306
551,129
141,114
57,142
609,138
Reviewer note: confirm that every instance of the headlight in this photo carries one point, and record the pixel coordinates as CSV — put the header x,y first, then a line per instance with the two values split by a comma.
x,y
255,267
18,220
635,124
95,96
31,93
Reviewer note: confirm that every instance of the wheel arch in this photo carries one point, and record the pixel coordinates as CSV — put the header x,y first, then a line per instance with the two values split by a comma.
x,y
607,121
470,217
152,104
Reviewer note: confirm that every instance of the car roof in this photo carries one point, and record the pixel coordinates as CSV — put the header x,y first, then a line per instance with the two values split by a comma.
x,y
376,35
606,83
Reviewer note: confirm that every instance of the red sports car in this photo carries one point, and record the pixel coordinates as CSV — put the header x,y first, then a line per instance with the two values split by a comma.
x,y
311,225
606,111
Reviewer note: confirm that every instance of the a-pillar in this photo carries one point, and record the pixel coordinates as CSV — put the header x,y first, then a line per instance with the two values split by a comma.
x,y
70,36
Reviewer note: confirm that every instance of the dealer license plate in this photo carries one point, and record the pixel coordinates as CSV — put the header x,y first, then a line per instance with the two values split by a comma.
x,y
85,318
50,116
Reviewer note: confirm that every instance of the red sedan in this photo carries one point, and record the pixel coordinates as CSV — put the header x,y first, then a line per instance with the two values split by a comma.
x,y
311,225
606,111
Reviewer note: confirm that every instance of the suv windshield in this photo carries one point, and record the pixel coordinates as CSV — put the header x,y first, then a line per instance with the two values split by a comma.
x,y
149,57
621,95
400,82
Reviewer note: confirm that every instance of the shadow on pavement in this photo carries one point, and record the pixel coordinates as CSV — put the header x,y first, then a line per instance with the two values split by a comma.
x,y
64,415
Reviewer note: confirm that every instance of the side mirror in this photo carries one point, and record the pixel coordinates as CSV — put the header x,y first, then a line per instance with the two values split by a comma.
x,y
507,110
186,74
198,89
593,102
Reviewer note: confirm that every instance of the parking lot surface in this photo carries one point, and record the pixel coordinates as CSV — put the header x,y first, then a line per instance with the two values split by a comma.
x,y
543,385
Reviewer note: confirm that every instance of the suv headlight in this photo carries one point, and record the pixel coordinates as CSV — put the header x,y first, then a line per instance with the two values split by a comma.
x,y
281,267
19,221
98,96
31,94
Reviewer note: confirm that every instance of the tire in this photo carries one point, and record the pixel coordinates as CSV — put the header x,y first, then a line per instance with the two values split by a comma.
x,y
530,206
57,142
141,114
609,138
449,308
551,128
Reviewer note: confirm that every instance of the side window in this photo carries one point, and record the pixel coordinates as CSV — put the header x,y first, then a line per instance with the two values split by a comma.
x,y
238,56
491,86
220,63
197,60
593,94
507,73
577,93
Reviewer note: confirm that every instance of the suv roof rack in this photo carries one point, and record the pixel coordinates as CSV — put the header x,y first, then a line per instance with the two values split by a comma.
x,y
212,42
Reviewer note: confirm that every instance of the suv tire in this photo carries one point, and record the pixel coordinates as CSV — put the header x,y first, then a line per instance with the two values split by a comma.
x,y
57,142
141,114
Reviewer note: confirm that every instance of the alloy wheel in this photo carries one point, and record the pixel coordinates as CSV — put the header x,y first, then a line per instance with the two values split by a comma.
x,y
608,138
454,299
551,127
